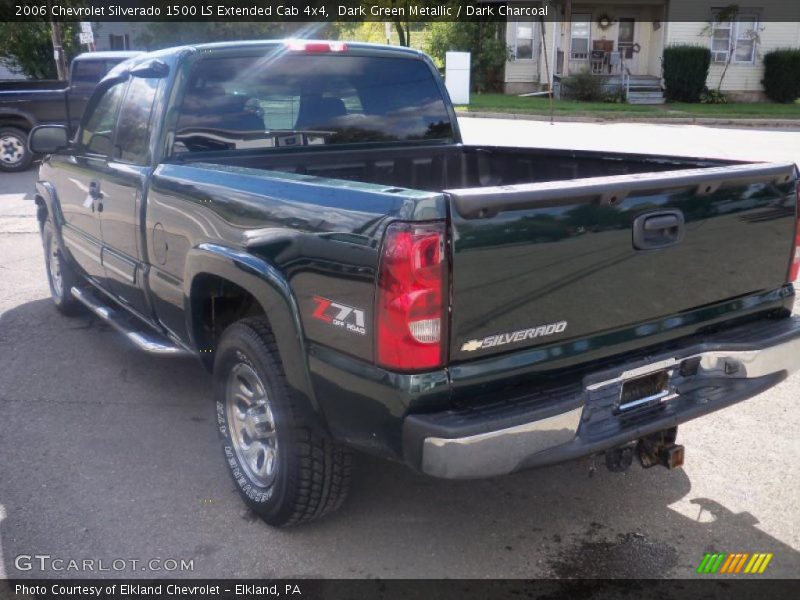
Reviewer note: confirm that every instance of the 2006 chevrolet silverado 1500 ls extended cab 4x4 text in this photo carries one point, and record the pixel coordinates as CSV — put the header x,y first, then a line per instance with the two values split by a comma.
x,y
304,218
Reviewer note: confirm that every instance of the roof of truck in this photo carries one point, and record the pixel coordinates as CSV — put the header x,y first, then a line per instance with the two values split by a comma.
x,y
255,44
137,58
109,54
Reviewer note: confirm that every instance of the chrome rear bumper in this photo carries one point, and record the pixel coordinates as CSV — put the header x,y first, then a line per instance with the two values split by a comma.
x,y
704,376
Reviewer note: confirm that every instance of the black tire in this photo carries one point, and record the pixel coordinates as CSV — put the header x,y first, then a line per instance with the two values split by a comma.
x,y
310,472
14,153
60,275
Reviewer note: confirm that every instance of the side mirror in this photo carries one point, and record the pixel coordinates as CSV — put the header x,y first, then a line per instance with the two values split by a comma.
x,y
48,139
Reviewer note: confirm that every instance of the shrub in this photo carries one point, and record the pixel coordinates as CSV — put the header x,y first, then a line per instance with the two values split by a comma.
x,y
685,72
582,86
782,74
713,97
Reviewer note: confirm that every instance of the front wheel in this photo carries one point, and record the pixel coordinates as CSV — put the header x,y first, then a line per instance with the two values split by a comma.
x,y
14,153
60,275
285,471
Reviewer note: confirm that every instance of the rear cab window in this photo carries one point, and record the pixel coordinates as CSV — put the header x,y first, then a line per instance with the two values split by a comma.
x,y
89,71
279,99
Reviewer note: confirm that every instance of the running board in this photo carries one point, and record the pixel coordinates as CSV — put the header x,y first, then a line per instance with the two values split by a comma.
x,y
151,343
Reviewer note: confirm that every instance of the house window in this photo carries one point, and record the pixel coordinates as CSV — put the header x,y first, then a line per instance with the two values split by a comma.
x,y
579,36
118,42
736,38
523,42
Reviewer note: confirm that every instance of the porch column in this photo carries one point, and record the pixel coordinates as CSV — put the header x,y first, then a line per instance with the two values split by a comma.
x,y
567,24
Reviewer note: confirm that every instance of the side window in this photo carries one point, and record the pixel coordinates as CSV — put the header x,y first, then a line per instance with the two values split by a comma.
x,y
134,127
98,130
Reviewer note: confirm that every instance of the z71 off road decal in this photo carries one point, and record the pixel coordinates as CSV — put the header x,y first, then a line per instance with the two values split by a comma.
x,y
340,315
502,339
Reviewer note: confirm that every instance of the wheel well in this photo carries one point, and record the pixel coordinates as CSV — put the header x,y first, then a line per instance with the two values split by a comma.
x,y
217,303
41,210
15,121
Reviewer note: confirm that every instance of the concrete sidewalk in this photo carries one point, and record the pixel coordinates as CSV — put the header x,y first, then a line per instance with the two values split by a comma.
x,y
782,124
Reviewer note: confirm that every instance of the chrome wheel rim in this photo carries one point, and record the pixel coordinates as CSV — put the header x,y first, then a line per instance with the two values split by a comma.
x,y
252,425
12,150
54,266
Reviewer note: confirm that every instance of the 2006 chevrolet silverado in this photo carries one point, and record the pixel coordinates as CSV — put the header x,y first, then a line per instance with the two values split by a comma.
x,y
304,218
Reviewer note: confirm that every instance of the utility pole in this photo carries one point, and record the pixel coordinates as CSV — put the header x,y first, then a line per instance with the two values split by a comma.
x,y
58,47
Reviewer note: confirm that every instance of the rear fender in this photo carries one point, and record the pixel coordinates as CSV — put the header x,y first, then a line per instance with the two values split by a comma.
x,y
272,291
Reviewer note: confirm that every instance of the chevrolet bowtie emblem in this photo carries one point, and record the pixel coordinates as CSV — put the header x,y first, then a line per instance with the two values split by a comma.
x,y
472,345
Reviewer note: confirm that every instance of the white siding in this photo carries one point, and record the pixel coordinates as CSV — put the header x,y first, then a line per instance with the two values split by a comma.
x,y
6,73
739,77
523,71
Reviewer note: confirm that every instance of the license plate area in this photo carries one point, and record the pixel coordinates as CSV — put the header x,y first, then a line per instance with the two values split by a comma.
x,y
645,391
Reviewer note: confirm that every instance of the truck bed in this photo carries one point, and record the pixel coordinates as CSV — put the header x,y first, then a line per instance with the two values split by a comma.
x,y
441,168
543,247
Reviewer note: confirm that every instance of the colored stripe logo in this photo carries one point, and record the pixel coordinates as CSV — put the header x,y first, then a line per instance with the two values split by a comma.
x,y
735,563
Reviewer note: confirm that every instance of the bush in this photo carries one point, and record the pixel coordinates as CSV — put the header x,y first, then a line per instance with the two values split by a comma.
x,y
685,72
713,97
488,49
782,74
582,86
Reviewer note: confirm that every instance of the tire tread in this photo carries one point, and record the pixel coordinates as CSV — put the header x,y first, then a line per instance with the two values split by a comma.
x,y
323,473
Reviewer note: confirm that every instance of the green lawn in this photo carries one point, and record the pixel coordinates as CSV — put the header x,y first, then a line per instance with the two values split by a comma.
x,y
538,105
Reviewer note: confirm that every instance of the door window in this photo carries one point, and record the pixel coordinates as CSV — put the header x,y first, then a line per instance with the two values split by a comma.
x,y
625,37
133,131
96,136
579,37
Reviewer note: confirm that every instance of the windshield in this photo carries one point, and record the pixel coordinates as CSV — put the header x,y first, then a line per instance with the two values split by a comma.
x,y
286,99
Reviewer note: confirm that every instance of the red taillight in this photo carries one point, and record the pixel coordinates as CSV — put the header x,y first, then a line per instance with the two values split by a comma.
x,y
794,269
302,46
412,297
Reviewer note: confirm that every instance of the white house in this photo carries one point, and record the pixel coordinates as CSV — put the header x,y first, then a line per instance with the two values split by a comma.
x,y
626,39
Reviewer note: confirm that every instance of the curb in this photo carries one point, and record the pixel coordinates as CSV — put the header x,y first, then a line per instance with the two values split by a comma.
x,y
728,122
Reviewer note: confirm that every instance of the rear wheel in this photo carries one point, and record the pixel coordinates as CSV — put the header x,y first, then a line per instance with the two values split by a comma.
x,y
60,275
14,153
284,470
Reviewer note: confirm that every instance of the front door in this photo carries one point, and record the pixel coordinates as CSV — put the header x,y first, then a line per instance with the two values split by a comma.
x,y
80,193
124,184
627,43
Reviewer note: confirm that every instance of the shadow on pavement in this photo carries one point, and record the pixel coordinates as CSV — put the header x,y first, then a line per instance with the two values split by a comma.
x,y
20,183
109,453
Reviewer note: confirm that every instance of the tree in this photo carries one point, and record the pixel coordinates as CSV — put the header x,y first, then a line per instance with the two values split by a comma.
x,y
27,48
728,14
486,43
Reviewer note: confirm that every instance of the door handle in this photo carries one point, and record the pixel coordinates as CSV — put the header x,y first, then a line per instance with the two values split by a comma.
x,y
658,229
97,196
660,223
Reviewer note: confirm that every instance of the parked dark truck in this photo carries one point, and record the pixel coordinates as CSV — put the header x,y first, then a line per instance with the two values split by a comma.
x,y
304,218
25,104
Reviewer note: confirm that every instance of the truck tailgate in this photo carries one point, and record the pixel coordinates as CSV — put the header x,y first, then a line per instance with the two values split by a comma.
x,y
539,263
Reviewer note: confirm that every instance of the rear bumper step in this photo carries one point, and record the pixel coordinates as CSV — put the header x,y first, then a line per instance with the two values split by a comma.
x,y
148,341
703,377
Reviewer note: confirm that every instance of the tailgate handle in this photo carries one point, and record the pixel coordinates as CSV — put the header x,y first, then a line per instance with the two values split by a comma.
x,y
658,229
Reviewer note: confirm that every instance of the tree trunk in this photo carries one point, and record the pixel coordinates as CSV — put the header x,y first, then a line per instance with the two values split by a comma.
x,y
401,33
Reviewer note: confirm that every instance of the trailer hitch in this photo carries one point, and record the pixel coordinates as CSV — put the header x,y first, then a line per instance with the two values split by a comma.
x,y
660,449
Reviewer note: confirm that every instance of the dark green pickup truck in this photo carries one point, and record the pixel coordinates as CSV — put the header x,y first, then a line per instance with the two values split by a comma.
x,y
304,218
